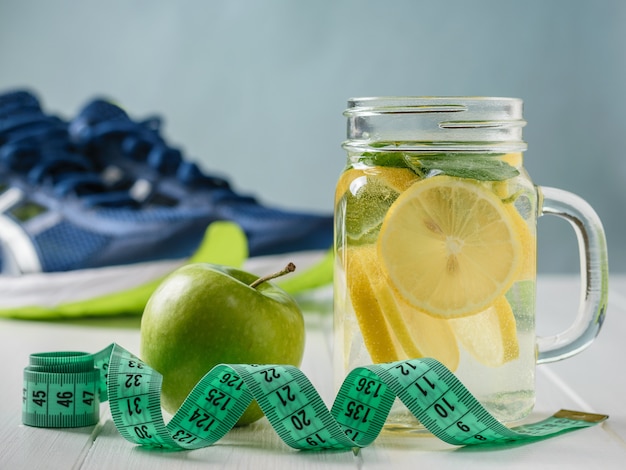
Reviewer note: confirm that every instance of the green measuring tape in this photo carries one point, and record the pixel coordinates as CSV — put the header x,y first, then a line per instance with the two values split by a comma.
x,y
65,389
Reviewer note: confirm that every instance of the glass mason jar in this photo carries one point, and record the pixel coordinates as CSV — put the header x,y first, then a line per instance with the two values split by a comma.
x,y
435,248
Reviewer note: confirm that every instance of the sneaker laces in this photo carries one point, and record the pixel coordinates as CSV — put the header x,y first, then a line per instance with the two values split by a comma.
x,y
142,141
37,146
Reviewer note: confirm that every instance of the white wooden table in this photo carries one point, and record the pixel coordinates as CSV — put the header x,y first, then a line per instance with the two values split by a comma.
x,y
592,381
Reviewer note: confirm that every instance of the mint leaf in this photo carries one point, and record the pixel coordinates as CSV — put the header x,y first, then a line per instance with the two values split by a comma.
x,y
394,159
476,167
481,167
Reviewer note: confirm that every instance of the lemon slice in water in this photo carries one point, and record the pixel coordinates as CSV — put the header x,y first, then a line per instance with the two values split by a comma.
x,y
375,330
392,330
449,246
489,336
364,196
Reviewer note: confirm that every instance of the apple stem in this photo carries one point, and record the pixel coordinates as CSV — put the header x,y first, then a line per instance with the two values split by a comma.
x,y
288,269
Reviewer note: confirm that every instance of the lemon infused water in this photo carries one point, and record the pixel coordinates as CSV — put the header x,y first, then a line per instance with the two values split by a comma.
x,y
435,250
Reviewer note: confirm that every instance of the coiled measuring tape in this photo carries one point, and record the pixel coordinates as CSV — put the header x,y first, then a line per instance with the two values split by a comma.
x,y
65,389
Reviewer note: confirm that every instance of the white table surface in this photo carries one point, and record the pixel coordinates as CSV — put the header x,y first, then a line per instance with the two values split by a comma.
x,y
592,381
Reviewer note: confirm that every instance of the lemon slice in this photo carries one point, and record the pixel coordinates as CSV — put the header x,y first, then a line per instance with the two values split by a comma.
x,y
449,246
395,178
364,195
528,264
513,159
391,330
513,195
489,336
370,318
419,334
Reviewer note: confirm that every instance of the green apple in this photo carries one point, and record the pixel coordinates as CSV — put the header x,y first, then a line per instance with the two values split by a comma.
x,y
203,315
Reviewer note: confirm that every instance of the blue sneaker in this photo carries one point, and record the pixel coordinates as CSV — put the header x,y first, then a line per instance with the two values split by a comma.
x,y
59,215
134,156
75,242
64,234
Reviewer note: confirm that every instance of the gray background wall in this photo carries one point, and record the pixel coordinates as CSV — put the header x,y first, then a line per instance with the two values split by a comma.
x,y
254,90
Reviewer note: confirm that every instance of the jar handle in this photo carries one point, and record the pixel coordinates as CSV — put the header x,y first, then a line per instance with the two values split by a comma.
x,y
594,274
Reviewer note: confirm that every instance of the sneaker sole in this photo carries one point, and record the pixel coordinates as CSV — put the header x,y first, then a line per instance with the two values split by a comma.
x,y
50,291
